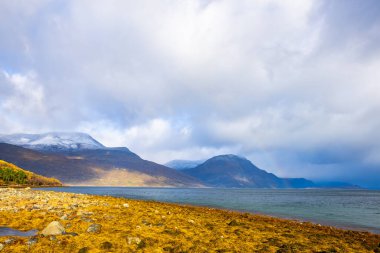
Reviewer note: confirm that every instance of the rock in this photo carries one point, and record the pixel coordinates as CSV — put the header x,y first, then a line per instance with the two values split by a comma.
x,y
132,240
126,205
32,241
1,246
64,217
86,219
36,207
94,228
191,221
54,228
84,250
72,234
233,223
106,245
9,241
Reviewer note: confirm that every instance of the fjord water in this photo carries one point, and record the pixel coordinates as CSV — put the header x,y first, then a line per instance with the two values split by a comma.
x,y
353,209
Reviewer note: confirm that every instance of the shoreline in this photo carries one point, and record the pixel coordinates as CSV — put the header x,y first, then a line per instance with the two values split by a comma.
x,y
151,226
337,225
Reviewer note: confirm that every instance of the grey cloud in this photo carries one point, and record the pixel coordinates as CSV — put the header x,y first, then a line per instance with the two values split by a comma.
x,y
279,82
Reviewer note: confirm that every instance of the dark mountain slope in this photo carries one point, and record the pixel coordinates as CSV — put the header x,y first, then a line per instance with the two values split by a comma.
x,y
108,166
235,171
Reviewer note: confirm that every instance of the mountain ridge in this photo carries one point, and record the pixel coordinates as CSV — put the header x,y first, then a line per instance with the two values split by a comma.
x,y
53,141
78,159
93,166
238,172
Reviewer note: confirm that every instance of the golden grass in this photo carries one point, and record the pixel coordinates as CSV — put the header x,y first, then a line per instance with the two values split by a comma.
x,y
147,226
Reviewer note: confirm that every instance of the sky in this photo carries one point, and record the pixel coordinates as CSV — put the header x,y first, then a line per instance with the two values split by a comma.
x,y
293,85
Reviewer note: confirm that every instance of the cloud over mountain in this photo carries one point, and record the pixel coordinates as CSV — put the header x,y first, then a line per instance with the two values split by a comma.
x,y
292,85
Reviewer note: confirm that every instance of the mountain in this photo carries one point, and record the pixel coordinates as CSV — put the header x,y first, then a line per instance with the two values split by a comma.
x,y
11,175
75,162
234,171
183,164
53,141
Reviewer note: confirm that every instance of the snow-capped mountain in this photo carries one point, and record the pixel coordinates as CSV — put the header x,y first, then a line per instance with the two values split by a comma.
x,y
53,141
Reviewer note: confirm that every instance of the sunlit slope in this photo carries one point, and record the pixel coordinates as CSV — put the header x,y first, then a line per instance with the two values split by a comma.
x,y
10,175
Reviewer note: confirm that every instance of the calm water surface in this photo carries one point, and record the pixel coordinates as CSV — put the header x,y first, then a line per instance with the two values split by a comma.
x,y
5,231
354,209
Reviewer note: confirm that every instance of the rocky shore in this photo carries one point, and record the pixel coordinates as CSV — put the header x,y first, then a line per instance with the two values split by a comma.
x,y
65,222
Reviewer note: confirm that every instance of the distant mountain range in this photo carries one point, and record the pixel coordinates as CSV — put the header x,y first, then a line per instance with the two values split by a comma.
x,y
234,171
79,159
238,172
183,164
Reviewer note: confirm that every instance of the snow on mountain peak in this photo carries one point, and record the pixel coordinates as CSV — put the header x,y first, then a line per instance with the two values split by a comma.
x,y
53,140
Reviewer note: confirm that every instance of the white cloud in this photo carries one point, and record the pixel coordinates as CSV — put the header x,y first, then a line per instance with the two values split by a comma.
x,y
22,100
191,79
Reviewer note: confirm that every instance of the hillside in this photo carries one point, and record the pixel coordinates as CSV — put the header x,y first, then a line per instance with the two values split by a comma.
x,y
11,175
98,167
235,171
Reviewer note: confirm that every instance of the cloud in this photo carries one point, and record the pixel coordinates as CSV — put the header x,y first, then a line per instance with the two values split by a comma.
x,y
292,85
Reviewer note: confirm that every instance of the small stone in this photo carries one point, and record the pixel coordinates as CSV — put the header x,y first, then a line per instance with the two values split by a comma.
x,y
9,241
106,245
72,234
54,228
84,250
86,219
1,246
191,221
233,223
126,205
94,228
36,207
32,241
53,238
135,240
64,217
